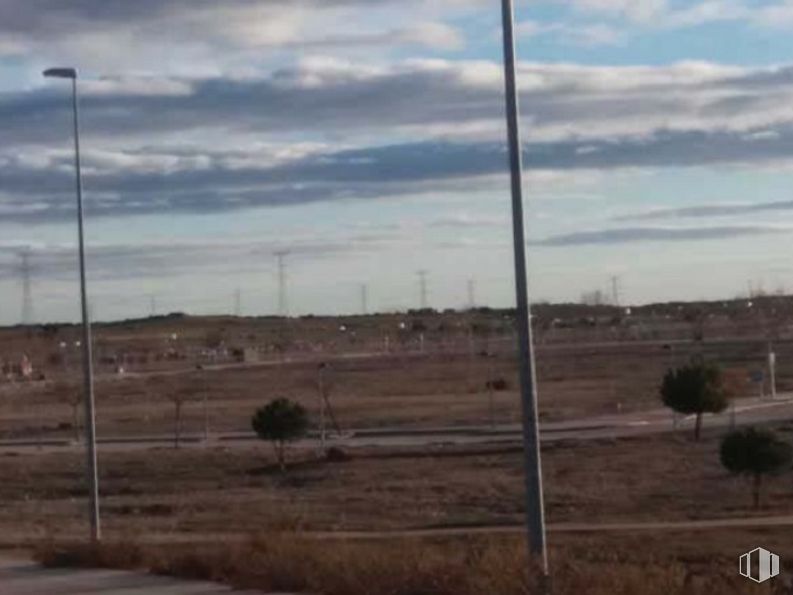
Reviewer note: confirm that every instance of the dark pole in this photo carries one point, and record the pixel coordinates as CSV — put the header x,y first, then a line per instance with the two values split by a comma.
x,y
535,514
88,372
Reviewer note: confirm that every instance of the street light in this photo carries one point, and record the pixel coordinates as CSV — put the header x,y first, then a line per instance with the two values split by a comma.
x,y
321,386
535,512
88,373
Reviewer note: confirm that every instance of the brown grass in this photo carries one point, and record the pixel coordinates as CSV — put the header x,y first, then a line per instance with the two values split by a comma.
x,y
445,386
236,491
463,566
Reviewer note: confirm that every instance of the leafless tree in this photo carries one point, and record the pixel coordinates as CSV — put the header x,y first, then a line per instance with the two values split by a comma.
x,y
325,383
180,397
71,395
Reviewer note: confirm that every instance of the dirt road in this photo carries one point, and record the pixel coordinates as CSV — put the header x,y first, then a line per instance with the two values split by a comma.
x,y
744,412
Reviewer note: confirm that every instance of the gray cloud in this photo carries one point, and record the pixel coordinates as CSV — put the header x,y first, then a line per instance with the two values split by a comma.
x,y
167,260
325,96
290,101
657,234
39,194
707,211
470,221
48,16
674,116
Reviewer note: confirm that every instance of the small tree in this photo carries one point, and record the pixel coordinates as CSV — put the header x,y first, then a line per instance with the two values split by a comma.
x,y
695,389
179,397
280,421
755,453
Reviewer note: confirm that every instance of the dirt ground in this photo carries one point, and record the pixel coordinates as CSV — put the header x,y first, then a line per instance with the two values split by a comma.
x,y
215,490
435,388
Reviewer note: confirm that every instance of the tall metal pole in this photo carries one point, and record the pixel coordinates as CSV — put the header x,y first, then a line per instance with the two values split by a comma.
x,y
88,372
535,510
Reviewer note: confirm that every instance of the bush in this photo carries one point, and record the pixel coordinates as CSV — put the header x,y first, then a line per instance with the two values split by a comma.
x,y
755,453
337,455
497,384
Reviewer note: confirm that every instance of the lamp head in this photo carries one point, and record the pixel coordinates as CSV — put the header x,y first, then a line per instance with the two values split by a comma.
x,y
61,73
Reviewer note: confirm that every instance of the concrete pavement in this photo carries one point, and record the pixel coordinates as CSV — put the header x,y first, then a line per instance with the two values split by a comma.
x,y
19,577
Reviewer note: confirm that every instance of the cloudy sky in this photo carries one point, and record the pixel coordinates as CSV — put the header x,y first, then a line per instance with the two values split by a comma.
x,y
366,137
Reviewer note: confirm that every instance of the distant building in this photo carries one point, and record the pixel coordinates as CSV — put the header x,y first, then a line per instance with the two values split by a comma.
x,y
19,370
25,367
251,355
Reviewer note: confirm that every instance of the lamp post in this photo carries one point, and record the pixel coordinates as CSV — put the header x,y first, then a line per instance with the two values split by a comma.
x,y
200,369
88,373
535,512
322,424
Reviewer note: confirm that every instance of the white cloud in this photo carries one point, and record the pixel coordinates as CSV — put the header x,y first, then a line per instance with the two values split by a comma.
x,y
661,14
777,15
708,12
209,37
11,47
642,11
583,35
137,86
433,35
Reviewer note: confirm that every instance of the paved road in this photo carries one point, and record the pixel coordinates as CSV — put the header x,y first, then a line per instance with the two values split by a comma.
x,y
26,578
745,411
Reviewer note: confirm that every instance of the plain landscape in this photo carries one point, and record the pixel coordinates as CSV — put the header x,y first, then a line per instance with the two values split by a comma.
x,y
390,373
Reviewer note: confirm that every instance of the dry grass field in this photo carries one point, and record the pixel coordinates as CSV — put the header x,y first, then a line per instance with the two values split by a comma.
x,y
234,517
443,386
200,492
252,527
669,564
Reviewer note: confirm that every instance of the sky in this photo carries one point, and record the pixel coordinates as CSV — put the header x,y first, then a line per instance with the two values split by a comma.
x,y
366,138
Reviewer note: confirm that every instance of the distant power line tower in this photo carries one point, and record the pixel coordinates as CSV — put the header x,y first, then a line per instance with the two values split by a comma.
x,y
364,299
423,301
283,305
25,271
152,305
615,290
238,303
471,294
